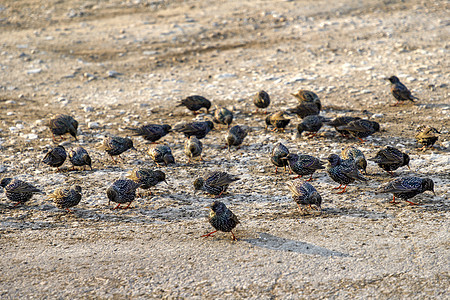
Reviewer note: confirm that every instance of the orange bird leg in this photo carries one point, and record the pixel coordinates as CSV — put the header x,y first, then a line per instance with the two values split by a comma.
x,y
341,192
127,206
17,204
393,200
298,176
118,206
310,178
412,203
336,188
209,234
276,170
362,141
234,238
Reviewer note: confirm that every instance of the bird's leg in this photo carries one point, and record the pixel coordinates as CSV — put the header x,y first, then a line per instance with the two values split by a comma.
x,y
341,192
311,135
298,176
17,204
393,200
129,203
284,169
361,140
69,211
276,169
209,234
392,173
112,157
412,203
118,206
310,178
336,188
233,237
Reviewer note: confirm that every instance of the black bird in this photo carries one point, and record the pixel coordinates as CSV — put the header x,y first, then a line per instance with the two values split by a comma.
x,y
400,91
308,96
351,152
427,136
216,183
146,178
304,109
223,116
407,187
116,145
311,124
303,193
55,157
152,132
62,124
193,148
277,120
261,100
279,152
195,103
361,128
343,171
80,157
197,129
342,121
66,198
122,191
303,164
222,219
390,159
161,154
18,191
236,135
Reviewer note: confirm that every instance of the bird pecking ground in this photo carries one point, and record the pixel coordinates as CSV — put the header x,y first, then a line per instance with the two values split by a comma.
x,y
117,64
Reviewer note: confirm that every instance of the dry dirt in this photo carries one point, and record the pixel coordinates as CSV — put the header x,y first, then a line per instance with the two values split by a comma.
x,y
126,63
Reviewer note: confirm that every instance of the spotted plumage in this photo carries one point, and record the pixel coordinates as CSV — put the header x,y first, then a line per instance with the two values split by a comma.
x,y
147,178
122,191
236,135
66,198
62,124
427,136
195,103
279,152
115,145
407,187
308,96
222,219
55,157
80,157
343,171
18,191
361,128
277,120
342,121
216,182
304,109
351,152
261,100
303,193
161,154
152,132
390,159
303,164
400,91
193,147
311,124
223,116
197,129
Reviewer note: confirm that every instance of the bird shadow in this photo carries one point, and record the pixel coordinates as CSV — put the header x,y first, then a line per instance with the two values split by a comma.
x,y
273,242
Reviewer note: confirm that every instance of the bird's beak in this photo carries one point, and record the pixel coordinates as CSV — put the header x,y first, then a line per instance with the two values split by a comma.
x,y
166,182
408,167
132,148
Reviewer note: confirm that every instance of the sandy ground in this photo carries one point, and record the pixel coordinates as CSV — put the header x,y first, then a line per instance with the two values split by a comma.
x,y
117,64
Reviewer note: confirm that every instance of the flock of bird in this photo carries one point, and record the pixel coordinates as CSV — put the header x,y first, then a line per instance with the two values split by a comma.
x,y
344,169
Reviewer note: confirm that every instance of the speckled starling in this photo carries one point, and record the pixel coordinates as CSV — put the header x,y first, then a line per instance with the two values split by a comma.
x,y
236,135
303,193
277,120
361,128
151,132
351,152
390,159
18,191
122,191
261,100
343,171
400,91
66,198
222,219
223,116
304,109
80,157
62,124
195,103
147,177
311,124
342,121
197,129
193,148
161,154
216,182
303,164
407,187
427,136
55,157
279,152
308,96
116,145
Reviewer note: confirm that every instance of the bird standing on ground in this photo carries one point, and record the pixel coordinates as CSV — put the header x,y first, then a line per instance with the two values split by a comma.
x,y
18,191
222,219
400,91
197,129
342,121
55,157
311,124
279,152
308,96
193,148
351,152
261,100
66,198
427,136
407,187
303,193
361,128
161,154
122,191
223,116
304,109
152,132
195,103
62,124
116,145
216,183
277,120
390,159
236,135
80,157
147,178
343,171
303,164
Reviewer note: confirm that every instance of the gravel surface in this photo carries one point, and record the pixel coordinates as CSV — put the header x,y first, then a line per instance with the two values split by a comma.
x,y
118,64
